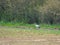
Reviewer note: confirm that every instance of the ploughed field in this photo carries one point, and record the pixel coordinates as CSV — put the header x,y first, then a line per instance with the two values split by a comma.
x,y
29,36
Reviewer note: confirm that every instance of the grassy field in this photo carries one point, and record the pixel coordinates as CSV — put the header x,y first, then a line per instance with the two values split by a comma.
x,y
15,34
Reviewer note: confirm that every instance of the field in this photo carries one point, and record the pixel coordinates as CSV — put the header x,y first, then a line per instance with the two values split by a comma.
x,y
29,35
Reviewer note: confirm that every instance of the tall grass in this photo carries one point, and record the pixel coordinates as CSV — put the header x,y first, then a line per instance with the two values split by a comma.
x,y
2,23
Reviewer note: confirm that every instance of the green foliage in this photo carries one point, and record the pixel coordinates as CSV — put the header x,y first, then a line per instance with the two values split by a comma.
x,y
30,11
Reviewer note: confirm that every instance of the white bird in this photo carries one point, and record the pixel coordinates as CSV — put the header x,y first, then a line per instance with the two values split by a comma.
x,y
37,26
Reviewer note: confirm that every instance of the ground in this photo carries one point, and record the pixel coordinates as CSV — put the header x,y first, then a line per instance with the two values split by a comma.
x,y
28,36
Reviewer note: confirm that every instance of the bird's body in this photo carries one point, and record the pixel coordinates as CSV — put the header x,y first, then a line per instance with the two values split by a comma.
x,y
37,26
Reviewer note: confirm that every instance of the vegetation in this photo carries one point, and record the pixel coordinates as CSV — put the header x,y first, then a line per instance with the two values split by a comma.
x,y
16,32
32,26
19,17
30,11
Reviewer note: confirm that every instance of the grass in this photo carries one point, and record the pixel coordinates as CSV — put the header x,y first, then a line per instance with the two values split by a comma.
x,y
19,32
15,24
28,25
26,34
50,26
17,28
14,34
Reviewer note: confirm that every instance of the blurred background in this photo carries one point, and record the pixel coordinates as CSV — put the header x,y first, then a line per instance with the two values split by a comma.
x,y
30,11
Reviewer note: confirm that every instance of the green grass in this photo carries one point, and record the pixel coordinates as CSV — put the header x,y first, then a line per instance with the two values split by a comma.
x,y
15,24
28,25
50,26
29,28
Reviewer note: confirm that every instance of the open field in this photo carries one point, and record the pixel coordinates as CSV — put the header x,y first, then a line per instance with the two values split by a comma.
x,y
29,36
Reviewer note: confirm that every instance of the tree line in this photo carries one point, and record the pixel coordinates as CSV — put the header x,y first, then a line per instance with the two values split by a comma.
x,y
30,11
